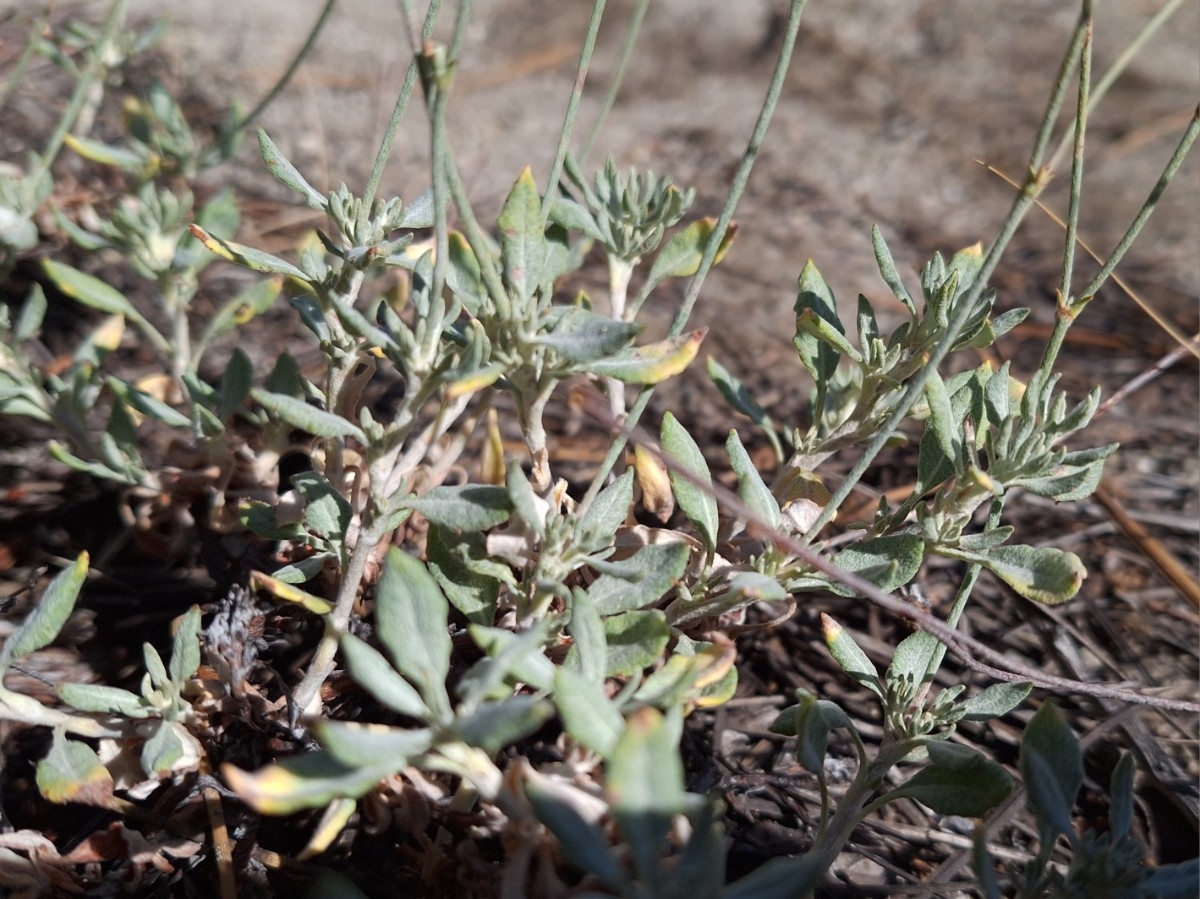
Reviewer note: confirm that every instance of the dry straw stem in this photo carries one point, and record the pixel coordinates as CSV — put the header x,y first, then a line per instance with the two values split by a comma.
x,y
972,653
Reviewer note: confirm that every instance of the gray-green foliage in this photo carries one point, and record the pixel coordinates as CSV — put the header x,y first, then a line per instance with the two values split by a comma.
x,y
571,610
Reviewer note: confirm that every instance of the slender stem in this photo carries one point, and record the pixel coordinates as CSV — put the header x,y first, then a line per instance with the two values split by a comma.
x,y
393,125
619,274
1035,182
614,87
737,187
286,77
18,71
1132,50
568,125
478,242
1139,221
92,71
1081,113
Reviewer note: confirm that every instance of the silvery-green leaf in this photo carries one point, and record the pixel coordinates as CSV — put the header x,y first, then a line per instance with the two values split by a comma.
x,y
887,268
470,591
635,640
1043,574
735,393
466,507
958,781
751,488
103,699
581,336
849,655
411,619
523,239
815,299
366,745
608,511
582,842
42,624
419,213
185,647
287,174
299,414
696,500
643,578
376,675
1052,769
494,725
887,562
995,701
912,658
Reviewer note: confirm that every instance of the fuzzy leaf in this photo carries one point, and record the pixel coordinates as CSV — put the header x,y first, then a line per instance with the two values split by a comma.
x,y
375,674
522,238
608,511
581,336
411,617
887,562
102,699
849,656
751,488
299,414
72,772
735,393
642,579
248,257
494,725
651,363
307,780
996,700
814,298
42,625
471,592
887,269
913,657
185,647
170,748
645,785
582,842
681,256
1052,769
589,652
93,292
958,781
635,641
466,507
287,174
1043,574
697,502
365,745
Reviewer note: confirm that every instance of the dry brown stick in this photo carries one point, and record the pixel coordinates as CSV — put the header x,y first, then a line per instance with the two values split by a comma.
x,y
1162,558
972,653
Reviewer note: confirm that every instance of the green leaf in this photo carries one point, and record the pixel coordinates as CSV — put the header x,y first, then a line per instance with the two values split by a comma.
x,y
815,299
148,405
635,641
306,780
524,501
299,414
588,715
849,656
102,699
411,618
168,745
589,650
468,590
696,500
735,393
466,507
996,700
185,647
1066,483
236,381
327,514
1051,766
645,786
581,336
365,745
751,488
1043,574
463,276
681,256
958,781
248,257
287,174
643,578
574,216
582,842
912,658
94,293
494,725
511,658
887,562
522,238
375,674
1120,795
42,625
250,303
33,311
598,526
651,363
942,421
887,269
72,772
810,722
